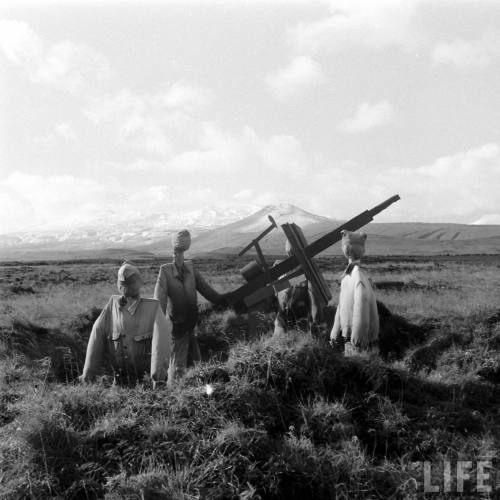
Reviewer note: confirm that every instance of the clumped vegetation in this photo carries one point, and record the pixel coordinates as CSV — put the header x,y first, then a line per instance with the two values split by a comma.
x,y
262,417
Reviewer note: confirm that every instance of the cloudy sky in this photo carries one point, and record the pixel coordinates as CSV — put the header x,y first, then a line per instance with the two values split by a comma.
x,y
127,107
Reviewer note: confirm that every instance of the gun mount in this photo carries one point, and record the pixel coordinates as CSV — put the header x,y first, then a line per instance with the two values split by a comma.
x,y
264,281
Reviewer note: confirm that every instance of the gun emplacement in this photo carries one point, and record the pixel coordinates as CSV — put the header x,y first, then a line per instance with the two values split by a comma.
x,y
291,263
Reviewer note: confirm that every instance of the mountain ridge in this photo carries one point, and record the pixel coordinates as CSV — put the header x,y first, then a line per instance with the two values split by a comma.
x,y
150,235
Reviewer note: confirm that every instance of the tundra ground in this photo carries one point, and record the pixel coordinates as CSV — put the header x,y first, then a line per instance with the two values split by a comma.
x,y
284,418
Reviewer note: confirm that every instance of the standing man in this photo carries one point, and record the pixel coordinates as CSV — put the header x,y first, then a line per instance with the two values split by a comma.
x,y
176,289
131,335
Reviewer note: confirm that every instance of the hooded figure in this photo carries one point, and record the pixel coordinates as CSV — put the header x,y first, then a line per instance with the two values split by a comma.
x,y
297,306
356,318
131,335
176,289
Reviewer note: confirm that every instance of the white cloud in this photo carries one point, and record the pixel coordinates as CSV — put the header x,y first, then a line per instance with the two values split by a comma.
x,y
71,66
302,73
244,194
62,131
369,116
32,202
62,198
65,64
456,186
466,166
65,130
186,96
36,202
229,156
145,133
183,98
138,121
106,108
154,134
223,152
19,43
487,219
368,23
15,211
215,169
153,123
465,54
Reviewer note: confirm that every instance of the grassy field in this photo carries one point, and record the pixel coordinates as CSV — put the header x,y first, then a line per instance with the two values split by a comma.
x,y
285,418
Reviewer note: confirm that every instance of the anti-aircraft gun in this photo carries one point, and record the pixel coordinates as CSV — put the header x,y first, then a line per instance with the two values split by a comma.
x,y
264,281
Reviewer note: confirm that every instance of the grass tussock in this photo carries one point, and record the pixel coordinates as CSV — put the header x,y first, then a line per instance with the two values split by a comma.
x,y
60,355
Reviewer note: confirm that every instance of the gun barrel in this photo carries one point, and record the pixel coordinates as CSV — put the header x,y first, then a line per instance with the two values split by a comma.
x,y
382,206
355,223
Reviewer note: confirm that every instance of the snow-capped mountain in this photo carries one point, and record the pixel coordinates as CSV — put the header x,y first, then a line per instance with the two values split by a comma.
x,y
151,232
281,213
237,234
130,229
228,230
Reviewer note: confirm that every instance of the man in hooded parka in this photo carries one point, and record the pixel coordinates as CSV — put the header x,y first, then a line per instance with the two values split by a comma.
x,y
131,335
298,306
176,288
356,319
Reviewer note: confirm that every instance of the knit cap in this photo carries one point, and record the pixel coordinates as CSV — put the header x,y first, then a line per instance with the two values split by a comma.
x,y
126,271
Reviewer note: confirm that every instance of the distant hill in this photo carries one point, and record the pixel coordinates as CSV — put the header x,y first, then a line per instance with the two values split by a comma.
x,y
150,236
103,254
384,238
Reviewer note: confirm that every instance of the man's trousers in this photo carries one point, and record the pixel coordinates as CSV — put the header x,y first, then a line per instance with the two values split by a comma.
x,y
186,351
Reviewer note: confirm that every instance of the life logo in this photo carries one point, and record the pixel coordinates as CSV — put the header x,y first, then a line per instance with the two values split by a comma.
x,y
480,477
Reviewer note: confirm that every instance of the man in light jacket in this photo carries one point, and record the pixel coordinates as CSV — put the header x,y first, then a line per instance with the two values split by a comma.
x,y
132,335
176,289
356,318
